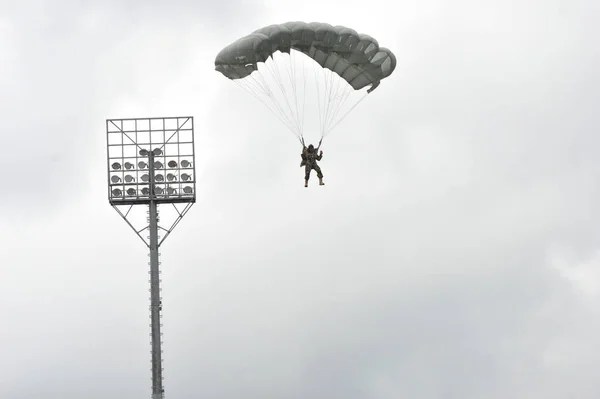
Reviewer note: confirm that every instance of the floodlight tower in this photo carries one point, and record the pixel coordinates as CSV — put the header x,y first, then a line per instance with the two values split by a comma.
x,y
151,162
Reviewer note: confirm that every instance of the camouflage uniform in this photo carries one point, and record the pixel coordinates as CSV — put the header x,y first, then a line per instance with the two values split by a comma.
x,y
309,161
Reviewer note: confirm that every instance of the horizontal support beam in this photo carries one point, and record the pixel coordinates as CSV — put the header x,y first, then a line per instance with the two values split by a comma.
x,y
146,201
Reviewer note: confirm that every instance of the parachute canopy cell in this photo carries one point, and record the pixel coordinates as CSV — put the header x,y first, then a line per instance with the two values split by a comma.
x,y
356,58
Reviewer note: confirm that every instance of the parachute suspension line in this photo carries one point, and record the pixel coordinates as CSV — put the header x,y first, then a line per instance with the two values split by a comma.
x,y
256,85
252,86
287,100
343,98
336,102
277,76
269,93
339,98
280,115
334,118
296,89
252,93
261,82
350,110
290,118
327,80
292,74
267,90
333,95
294,83
325,90
328,98
274,69
318,95
275,72
303,90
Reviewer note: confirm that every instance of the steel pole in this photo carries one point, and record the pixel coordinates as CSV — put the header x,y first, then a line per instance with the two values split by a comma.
x,y
155,301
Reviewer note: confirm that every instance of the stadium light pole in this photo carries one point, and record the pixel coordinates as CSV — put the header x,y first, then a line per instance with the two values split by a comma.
x,y
151,162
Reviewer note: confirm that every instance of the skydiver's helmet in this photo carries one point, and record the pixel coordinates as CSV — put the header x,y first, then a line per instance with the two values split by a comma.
x,y
311,148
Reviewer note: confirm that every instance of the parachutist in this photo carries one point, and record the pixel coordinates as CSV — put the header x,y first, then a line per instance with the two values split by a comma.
x,y
309,161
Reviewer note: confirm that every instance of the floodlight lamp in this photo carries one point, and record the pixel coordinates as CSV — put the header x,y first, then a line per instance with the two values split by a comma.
x,y
157,152
145,191
131,192
159,177
158,165
142,165
185,177
116,192
115,179
171,191
171,177
187,190
129,165
158,190
146,177
116,166
144,152
172,164
129,178
186,164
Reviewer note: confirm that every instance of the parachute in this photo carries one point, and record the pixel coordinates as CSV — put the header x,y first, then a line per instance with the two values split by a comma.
x,y
274,65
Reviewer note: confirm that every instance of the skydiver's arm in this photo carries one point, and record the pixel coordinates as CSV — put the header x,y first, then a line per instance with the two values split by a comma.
x,y
320,156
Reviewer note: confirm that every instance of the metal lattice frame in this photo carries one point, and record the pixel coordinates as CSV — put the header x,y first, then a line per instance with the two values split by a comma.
x,y
150,162
128,169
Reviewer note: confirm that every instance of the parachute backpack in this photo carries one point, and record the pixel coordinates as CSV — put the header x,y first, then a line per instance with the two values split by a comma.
x,y
274,65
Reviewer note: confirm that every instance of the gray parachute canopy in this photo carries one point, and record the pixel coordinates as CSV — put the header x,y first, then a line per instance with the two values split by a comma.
x,y
356,58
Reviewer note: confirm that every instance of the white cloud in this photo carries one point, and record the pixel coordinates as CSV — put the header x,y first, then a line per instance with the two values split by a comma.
x,y
432,264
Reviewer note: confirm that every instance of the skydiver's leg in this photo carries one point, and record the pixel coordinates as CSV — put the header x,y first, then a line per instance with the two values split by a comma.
x,y
319,174
307,170
317,169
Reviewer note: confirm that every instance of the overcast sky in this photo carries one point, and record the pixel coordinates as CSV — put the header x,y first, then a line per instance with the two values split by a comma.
x,y
453,253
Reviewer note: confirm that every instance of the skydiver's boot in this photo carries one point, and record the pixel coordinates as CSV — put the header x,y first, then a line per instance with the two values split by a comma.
x,y
321,181
305,183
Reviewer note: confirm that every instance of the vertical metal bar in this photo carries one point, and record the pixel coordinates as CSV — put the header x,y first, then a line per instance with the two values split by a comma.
x,y
155,305
122,174
135,171
108,161
179,184
193,159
